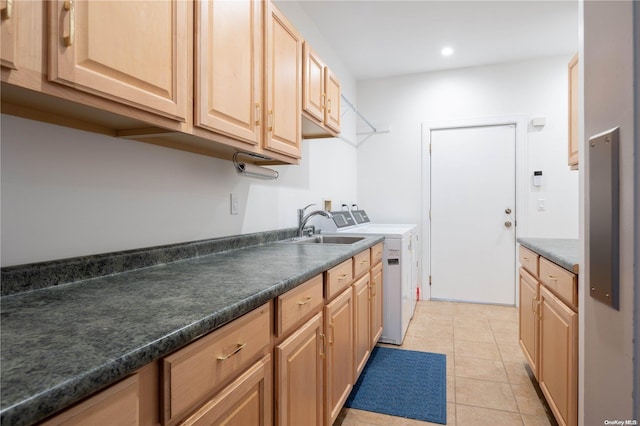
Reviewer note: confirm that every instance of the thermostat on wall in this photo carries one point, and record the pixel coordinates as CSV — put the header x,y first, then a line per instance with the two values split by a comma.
x,y
537,178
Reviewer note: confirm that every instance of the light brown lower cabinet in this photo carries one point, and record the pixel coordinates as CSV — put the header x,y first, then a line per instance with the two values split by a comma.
x,y
339,356
558,369
361,324
116,405
528,313
376,303
193,374
291,361
548,332
300,376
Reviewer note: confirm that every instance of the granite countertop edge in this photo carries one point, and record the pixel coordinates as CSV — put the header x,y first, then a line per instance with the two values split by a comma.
x,y
42,404
561,251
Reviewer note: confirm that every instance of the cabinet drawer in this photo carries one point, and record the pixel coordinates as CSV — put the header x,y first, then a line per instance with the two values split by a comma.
x,y
361,263
338,278
376,253
296,304
117,404
561,282
193,373
529,260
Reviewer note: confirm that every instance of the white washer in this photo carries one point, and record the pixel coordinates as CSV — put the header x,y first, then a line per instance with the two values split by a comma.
x,y
400,270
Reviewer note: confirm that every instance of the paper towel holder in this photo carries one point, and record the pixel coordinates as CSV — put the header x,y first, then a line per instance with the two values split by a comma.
x,y
251,170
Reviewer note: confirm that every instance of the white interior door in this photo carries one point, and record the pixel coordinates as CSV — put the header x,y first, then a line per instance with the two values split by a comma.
x,y
473,214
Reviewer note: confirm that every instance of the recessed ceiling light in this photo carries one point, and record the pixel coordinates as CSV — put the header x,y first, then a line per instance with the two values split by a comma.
x,y
447,51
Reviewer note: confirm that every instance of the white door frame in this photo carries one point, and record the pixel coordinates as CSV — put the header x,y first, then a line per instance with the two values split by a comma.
x,y
521,217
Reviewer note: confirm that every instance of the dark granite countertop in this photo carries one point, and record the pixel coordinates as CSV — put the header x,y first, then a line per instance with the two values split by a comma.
x,y
62,343
564,252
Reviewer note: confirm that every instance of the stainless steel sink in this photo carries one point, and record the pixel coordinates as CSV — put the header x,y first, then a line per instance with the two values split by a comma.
x,y
328,239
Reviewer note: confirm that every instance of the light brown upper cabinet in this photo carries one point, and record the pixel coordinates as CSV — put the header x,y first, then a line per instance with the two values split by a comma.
x,y
135,53
201,76
574,142
238,94
9,39
283,69
321,97
229,68
332,112
314,93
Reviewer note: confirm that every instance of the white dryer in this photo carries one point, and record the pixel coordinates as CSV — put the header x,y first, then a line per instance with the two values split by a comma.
x,y
400,267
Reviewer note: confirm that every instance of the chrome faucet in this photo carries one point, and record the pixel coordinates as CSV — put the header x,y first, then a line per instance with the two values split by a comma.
x,y
302,219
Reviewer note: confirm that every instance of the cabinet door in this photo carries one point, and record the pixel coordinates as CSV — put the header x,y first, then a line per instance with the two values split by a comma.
x,y
229,68
246,401
313,94
299,376
8,28
339,356
528,315
376,304
574,142
361,324
284,84
332,110
558,365
133,52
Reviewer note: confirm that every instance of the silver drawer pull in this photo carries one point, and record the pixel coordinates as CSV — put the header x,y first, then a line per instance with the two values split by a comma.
x,y
232,353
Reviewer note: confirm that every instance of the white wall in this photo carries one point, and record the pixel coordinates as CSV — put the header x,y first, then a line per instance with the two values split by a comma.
x,y
312,34
536,88
68,193
607,348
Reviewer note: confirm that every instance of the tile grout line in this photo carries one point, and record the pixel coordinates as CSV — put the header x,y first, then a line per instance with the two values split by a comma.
x,y
505,372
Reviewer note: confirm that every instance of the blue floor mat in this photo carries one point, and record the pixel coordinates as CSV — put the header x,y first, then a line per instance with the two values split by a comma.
x,y
403,383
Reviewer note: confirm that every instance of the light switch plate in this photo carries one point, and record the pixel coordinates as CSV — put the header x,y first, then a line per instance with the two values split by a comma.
x,y
541,207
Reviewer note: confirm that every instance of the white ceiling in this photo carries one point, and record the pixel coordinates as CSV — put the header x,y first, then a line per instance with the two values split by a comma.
x,y
384,38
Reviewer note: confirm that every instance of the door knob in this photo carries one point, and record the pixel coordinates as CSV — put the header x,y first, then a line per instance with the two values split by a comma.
x,y
507,223
507,210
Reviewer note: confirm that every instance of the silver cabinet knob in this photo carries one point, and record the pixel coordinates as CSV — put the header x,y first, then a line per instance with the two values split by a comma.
x,y
507,210
507,223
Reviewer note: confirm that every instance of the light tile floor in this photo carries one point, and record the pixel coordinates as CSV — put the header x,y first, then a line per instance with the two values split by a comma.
x,y
487,383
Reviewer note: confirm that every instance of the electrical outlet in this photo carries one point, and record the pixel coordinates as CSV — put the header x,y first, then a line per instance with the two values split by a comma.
x,y
234,203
